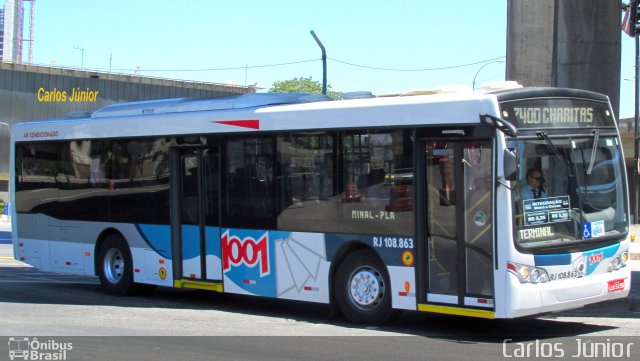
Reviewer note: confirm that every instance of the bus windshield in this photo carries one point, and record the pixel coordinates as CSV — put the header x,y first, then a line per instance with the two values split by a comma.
x,y
569,190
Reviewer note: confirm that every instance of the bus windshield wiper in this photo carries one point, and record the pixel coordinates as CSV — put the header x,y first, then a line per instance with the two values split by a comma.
x,y
596,137
550,145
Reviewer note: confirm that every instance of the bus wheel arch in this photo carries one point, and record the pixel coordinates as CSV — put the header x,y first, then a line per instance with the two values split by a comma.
x,y
114,263
337,259
98,244
361,289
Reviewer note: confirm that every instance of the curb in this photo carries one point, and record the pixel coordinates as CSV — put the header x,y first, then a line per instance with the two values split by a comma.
x,y
634,251
634,255
634,247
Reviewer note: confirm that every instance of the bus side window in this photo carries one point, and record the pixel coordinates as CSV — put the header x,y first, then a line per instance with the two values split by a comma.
x,y
248,183
377,183
305,182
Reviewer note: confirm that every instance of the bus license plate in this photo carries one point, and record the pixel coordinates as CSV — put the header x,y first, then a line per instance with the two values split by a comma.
x,y
616,285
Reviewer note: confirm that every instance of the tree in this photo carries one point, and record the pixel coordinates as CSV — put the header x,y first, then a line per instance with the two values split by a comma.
x,y
303,85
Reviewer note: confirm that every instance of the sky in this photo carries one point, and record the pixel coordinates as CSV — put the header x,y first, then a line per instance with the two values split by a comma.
x,y
374,45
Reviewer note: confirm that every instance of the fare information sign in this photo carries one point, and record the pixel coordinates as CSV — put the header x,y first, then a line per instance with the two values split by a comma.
x,y
546,210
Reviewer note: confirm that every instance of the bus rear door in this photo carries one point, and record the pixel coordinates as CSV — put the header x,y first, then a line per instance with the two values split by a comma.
x,y
195,190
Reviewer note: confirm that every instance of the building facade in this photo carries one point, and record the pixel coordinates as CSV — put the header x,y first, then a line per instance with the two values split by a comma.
x,y
29,93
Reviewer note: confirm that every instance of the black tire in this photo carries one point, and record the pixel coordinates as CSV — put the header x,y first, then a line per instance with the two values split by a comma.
x,y
115,266
363,289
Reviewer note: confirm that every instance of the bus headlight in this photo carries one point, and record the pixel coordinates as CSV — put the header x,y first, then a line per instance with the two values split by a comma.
x,y
624,258
619,261
535,275
528,274
615,262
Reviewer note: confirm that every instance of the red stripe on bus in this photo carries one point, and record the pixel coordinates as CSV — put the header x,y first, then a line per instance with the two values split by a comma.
x,y
247,123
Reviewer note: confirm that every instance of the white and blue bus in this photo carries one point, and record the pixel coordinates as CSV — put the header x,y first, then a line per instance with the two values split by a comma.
x,y
412,202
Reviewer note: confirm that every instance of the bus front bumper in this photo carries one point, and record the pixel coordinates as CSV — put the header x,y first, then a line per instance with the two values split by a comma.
x,y
531,299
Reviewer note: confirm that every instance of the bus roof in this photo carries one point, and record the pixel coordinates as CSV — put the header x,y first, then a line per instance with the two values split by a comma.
x,y
261,112
179,105
283,112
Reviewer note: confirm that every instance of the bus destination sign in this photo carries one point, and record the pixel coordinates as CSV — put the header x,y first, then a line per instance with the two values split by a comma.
x,y
547,115
557,113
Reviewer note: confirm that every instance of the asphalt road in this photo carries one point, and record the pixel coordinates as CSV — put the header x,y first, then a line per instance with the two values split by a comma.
x,y
59,309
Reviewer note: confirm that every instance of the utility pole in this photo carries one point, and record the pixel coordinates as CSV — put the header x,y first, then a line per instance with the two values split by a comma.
x,y
631,26
324,63
636,172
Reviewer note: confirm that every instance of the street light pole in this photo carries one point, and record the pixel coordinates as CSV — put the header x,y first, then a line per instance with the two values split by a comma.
x,y
473,86
635,134
81,56
324,63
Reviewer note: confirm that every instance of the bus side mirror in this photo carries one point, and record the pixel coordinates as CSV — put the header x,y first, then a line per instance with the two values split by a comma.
x,y
510,165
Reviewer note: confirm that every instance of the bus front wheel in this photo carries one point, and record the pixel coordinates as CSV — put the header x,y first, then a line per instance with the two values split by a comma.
x,y
363,290
115,266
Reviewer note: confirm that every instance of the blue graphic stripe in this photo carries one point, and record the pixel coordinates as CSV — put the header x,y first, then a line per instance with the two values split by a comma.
x,y
158,237
190,241
607,253
552,259
5,237
244,252
212,241
565,259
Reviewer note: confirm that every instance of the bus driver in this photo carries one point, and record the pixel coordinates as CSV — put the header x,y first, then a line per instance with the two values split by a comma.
x,y
534,188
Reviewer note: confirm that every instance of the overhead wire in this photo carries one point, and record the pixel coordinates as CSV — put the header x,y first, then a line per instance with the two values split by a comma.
x,y
314,60
418,69
229,68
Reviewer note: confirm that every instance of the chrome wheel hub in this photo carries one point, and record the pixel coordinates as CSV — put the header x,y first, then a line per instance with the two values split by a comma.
x,y
113,265
366,288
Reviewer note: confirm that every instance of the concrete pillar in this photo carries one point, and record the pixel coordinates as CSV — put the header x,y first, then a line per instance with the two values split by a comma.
x,y
565,43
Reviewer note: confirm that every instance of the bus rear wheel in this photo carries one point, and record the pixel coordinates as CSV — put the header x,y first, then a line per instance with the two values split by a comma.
x,y
115,266
363,290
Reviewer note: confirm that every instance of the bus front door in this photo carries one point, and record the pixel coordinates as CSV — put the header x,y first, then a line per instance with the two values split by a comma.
x,y
458,222
195,213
